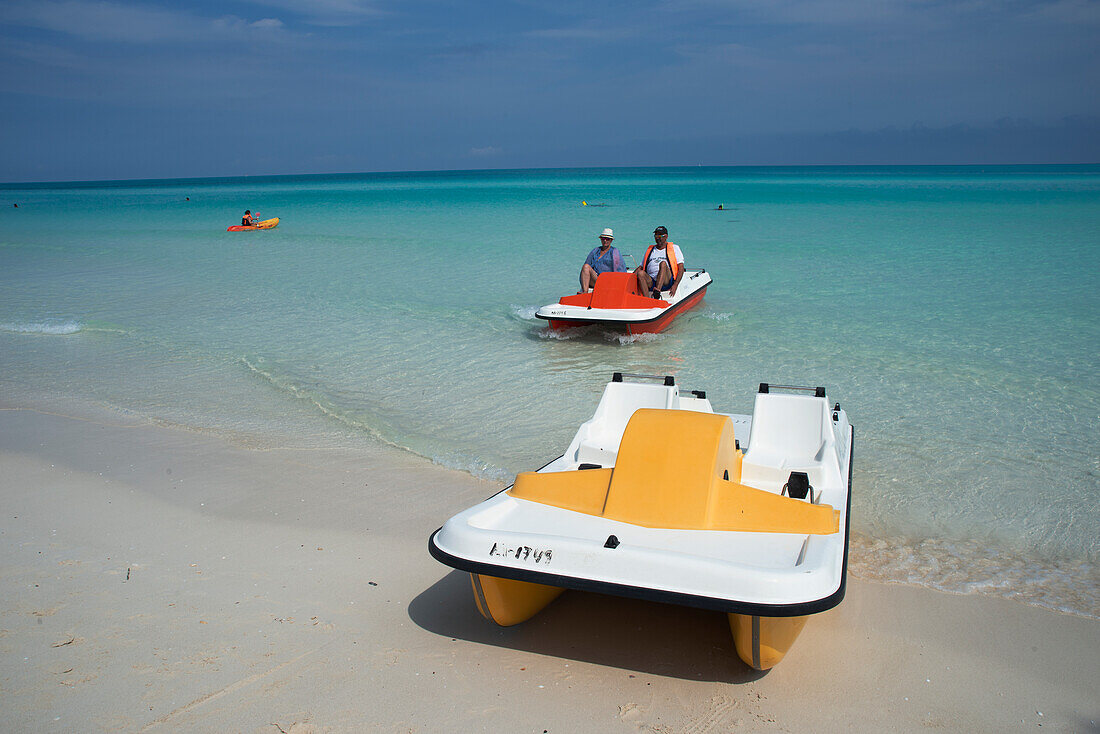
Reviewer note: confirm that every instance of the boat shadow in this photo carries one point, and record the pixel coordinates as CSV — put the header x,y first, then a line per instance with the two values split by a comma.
x,y
645,637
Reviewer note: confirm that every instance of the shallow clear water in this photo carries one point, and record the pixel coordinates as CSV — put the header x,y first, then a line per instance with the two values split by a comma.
x,y
952,311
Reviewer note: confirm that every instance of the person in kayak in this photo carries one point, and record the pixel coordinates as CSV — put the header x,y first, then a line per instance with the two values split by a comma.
x,y
662,267
602,259
248,220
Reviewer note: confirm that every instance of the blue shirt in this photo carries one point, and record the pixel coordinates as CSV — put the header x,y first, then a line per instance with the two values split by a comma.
x,y
610,262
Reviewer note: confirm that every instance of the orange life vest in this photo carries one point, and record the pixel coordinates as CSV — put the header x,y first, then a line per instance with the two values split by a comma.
x,y
670,253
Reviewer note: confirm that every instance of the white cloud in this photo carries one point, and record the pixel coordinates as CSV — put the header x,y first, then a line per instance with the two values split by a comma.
x,y
42,55
328,12
588,31
97,21
113,22
267,23
1074,12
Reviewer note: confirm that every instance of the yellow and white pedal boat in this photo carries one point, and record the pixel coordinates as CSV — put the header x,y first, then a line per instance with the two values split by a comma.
x,y
657,499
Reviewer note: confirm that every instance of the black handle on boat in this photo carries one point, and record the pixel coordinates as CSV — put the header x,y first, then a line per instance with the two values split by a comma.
x,y
819,392
669,380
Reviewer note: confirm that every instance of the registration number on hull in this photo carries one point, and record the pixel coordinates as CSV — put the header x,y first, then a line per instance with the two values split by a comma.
x,y
541,556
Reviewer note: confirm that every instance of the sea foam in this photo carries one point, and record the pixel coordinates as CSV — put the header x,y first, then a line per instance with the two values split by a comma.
x,y
526,313
47,326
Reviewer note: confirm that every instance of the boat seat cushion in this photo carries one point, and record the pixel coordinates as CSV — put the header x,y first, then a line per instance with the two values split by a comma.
x,y
665,465
671,472
614,290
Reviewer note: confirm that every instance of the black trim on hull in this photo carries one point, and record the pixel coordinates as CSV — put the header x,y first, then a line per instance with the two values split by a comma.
x,y
730,606
666,314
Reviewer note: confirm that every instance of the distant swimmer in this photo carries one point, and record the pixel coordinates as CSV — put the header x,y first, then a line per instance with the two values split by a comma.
x,y
188,198
15,205
719,207
602,259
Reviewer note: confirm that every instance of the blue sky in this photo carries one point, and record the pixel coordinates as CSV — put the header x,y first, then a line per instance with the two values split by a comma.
x,y
110,89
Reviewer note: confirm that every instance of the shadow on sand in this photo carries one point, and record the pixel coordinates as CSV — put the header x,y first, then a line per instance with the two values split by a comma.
x,y
646,637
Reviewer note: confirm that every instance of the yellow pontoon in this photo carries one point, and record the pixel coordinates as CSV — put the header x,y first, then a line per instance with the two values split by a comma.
x,y
657,499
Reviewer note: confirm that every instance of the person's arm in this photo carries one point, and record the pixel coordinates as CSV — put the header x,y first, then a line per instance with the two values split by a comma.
x,y
677,277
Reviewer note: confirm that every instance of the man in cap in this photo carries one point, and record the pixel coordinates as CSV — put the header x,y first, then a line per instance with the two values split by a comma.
x,y
662,267
602,259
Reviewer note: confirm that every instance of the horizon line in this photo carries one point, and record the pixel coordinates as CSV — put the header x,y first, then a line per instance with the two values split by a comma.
x,y
429,171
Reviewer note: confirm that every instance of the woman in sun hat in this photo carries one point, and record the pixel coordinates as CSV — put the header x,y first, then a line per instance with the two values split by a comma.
x,y
602,259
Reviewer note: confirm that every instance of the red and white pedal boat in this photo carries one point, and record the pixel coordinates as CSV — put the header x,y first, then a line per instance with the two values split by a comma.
x,y
616,303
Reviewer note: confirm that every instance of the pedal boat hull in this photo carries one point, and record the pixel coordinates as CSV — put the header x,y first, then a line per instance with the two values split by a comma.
x,y
768,561
615,303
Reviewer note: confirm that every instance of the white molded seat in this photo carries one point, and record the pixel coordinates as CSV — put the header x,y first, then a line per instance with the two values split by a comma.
x,y
789,433
597,441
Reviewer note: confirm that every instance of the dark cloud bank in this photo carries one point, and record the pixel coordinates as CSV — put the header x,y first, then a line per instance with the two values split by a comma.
x,y
1074,140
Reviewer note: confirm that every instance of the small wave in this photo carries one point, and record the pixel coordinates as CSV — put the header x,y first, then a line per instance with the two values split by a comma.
x,y
596,332
473,465
256,367
49,326
562,334
647,338
105,328
718,316
972,568
526,313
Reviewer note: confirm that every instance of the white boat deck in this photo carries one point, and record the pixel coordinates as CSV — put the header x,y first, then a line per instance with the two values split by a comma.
x,y
786,433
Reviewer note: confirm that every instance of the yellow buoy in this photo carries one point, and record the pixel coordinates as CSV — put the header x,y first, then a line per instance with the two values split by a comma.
x,y
584,203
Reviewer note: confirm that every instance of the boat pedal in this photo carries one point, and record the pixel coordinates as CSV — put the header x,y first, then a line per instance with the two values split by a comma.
x,y
612,542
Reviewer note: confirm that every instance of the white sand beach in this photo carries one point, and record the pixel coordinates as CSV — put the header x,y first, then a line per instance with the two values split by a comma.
x,y
157,579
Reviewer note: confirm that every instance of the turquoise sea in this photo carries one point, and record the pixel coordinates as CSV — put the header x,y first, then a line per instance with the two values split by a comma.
x,y
953,311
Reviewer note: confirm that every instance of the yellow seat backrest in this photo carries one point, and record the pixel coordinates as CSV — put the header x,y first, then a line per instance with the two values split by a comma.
x,y
671,472
665,467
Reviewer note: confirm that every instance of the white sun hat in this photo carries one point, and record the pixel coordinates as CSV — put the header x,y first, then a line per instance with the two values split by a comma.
x,y
607,233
